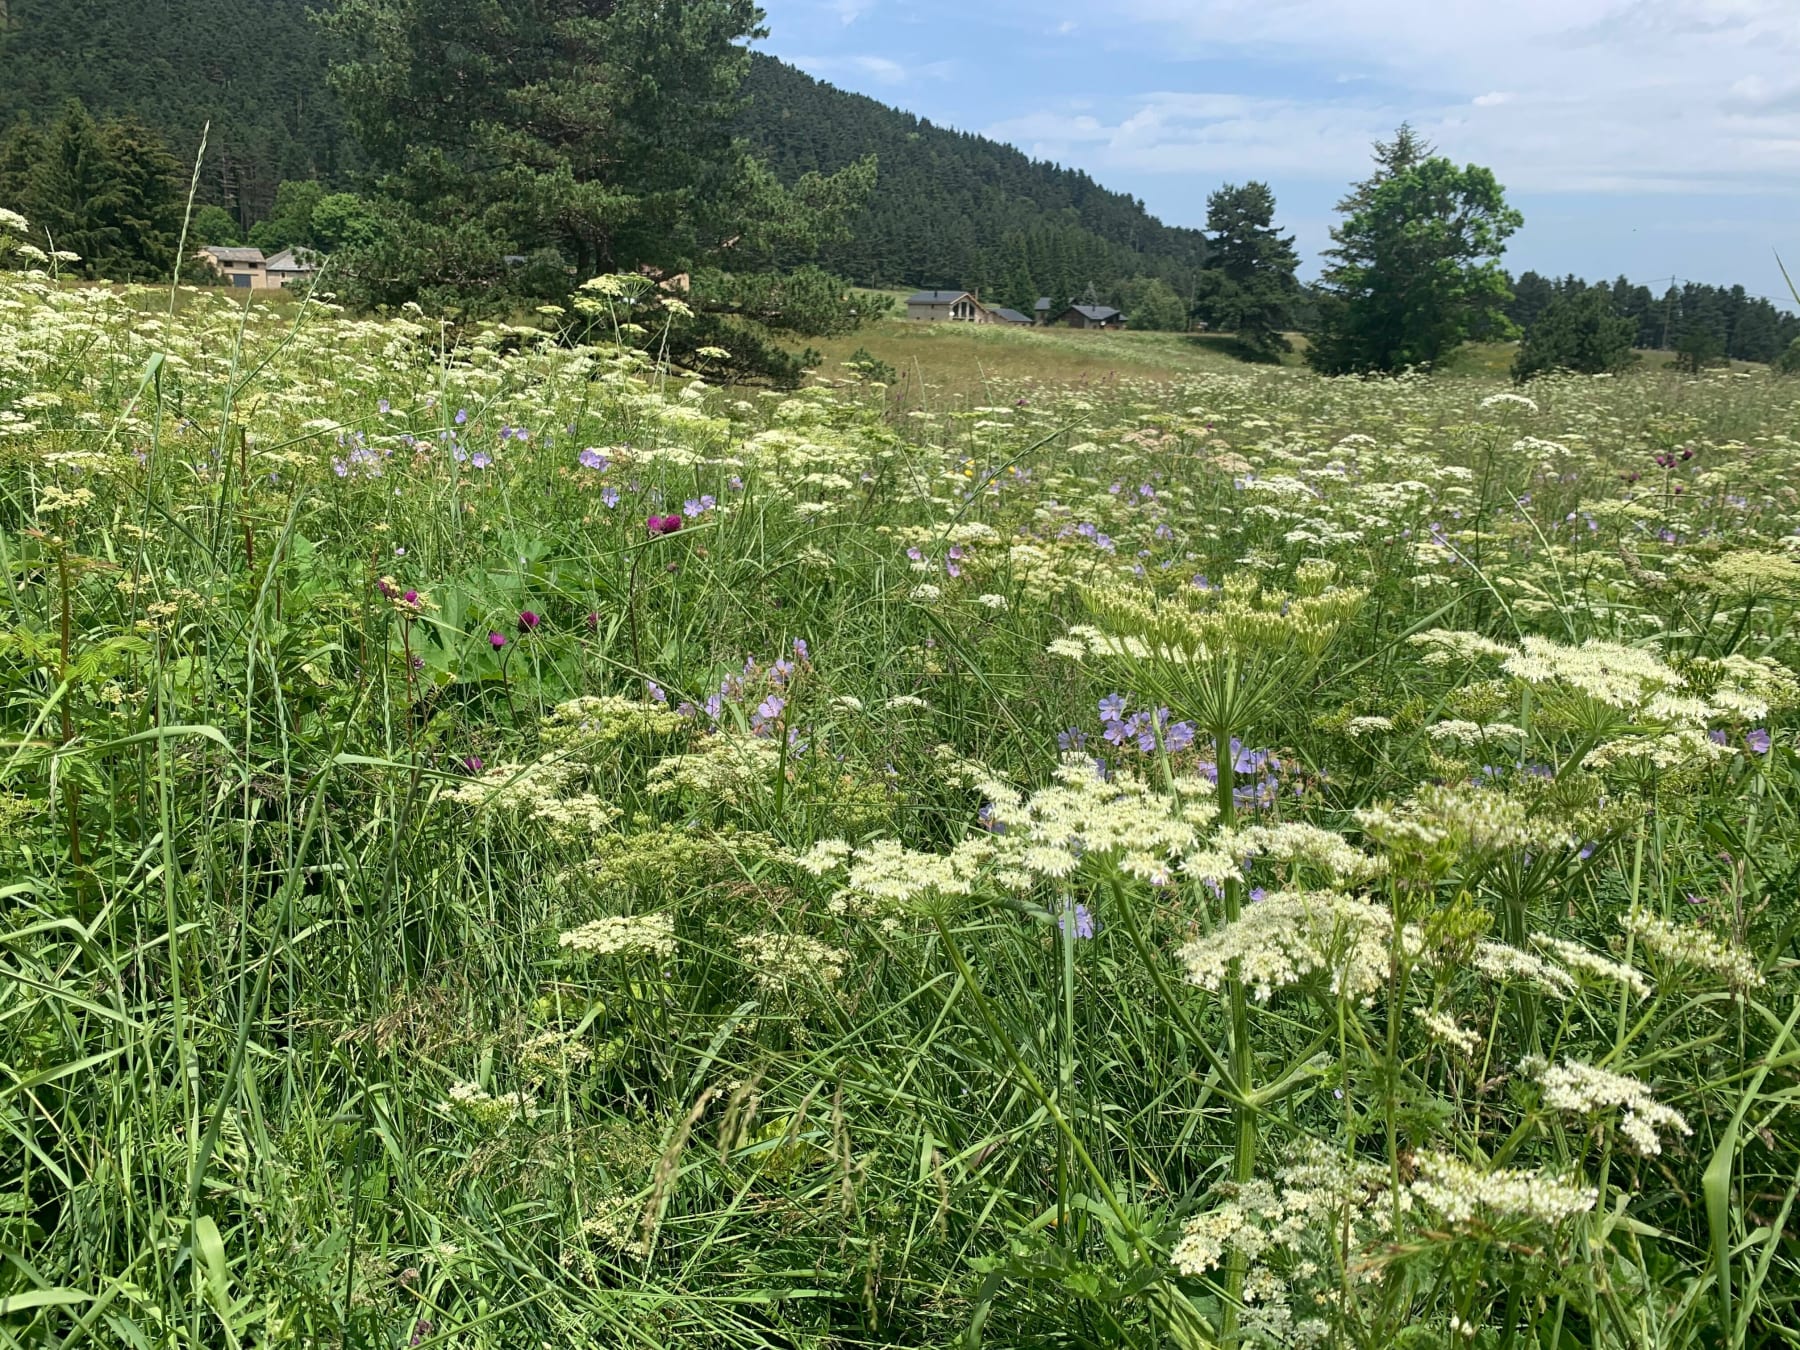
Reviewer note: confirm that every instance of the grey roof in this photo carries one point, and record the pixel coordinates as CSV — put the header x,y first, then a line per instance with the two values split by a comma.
x,y
936,297
1043,302
1011,315
289,260
1098,313
248,255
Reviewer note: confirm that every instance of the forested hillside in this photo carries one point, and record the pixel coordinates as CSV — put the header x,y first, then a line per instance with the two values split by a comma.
x,y
951,209
954,209
254,68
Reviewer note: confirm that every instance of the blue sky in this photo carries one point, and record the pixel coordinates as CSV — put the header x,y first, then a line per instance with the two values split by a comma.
x,y
1649,137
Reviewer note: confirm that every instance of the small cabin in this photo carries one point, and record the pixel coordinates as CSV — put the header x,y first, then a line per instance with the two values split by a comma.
x,y
1090,316
1011,316
947,307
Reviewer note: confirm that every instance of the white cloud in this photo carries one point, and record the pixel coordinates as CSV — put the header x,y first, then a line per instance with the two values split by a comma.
x,y
881,69
849,11
1556,95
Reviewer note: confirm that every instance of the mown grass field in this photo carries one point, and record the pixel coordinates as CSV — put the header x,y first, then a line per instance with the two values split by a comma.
x,y
504,847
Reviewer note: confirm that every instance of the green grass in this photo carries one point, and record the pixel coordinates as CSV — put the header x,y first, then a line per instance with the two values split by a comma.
x,y
293,1050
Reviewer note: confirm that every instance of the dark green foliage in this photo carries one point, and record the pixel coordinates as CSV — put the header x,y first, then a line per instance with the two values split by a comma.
x,y
256,72
604,130
1249,286
215,225
1152,305
957,210
107,191
290,223
1788,363
1748,327
1699,348
1579,331
586,141
1415,269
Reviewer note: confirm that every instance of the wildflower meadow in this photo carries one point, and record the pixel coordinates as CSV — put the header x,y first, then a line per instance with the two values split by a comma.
x,y
508,845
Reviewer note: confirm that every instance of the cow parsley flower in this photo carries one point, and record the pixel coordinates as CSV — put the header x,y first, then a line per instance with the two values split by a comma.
x,y
1462,1193
1686,945
1286,937
1582,1089
623,935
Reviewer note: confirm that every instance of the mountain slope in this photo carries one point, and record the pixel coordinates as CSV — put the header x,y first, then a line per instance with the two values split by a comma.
x,y
254,68
951,208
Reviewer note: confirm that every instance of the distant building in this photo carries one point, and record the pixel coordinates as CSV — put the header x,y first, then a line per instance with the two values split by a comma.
x,y
1090,316
948,306
1042,309
291,265
246,269
1009,316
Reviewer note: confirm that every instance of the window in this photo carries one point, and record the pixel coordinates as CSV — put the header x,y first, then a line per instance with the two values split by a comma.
x,y
241,282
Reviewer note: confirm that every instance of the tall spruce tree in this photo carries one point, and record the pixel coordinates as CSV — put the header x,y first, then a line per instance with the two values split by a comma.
x,y
1415,268
599,130
74,192
1248,286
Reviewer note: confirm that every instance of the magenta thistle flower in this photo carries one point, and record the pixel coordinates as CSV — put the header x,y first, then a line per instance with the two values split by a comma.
x,y
593,618
411,597
671,524
473,763
496,640
528,620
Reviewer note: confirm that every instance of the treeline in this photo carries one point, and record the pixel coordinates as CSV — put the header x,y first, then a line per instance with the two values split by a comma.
x,y
952,209
256,70
1720,321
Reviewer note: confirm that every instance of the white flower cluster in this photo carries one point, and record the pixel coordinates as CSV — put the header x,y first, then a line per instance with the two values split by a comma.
x,y
1685,748
1498,961
1463,818
825,856
1473,733
623,935
1447,1029
1686,945
1456,647
1460,1192
779,961
1607,672
1283,938
1580,959
1318,1192
731,767
1083,815
1289,842
1583,1089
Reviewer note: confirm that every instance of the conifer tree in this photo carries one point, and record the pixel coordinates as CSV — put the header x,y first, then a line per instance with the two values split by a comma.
x,y
1249,285
1579,331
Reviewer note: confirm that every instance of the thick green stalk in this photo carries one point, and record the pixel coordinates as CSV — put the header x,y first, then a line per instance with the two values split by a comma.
x,y
1243,1059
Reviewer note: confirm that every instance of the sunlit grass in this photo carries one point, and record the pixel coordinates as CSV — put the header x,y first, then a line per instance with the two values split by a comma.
x,y
441,909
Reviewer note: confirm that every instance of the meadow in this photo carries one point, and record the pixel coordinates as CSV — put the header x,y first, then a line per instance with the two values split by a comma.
x,y
505,846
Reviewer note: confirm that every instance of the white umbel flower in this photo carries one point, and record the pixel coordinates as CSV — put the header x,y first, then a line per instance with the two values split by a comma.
x,y
1462,1193
1583,1089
